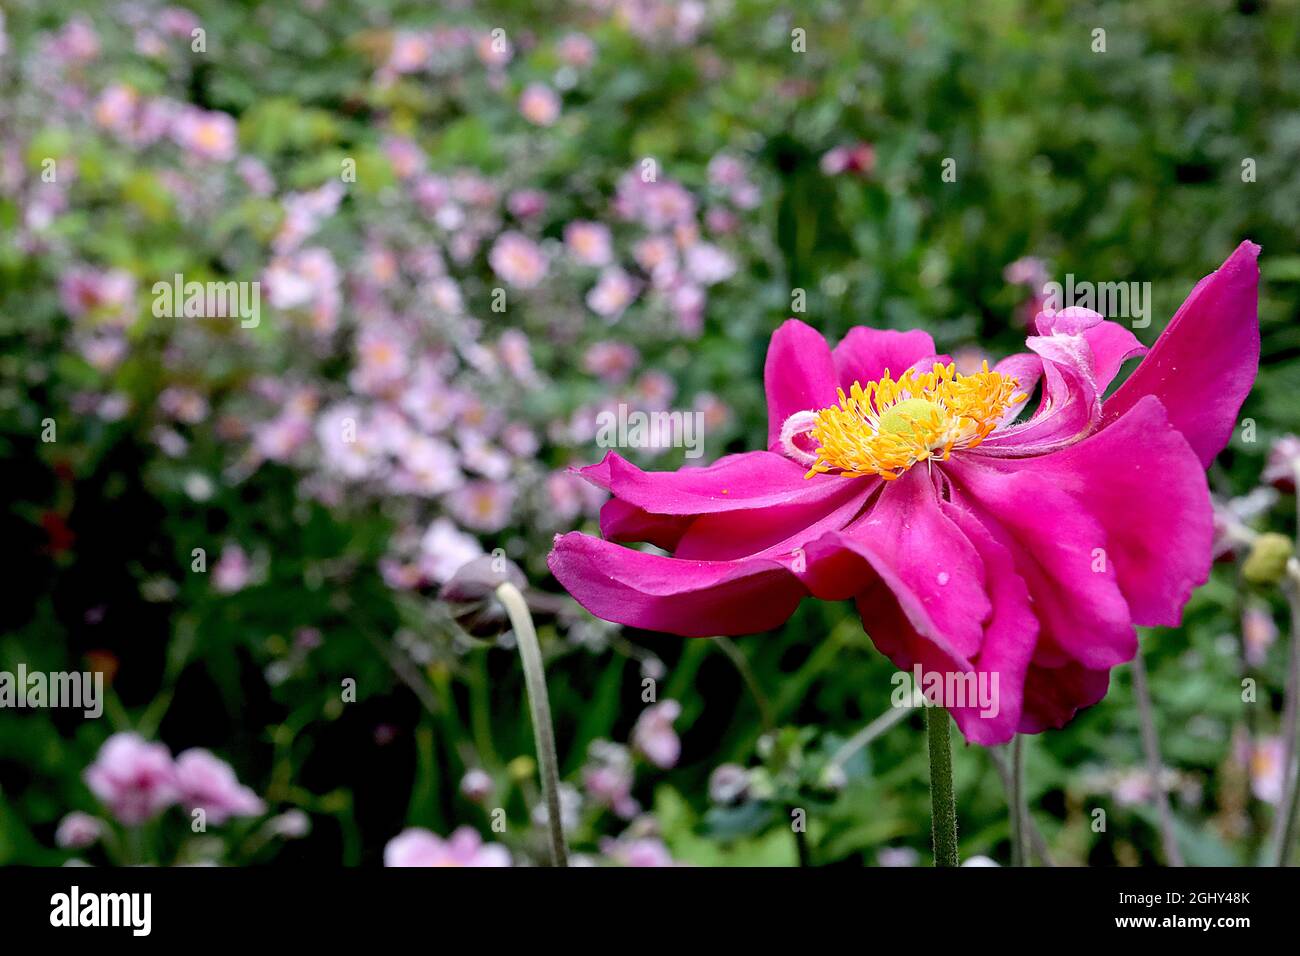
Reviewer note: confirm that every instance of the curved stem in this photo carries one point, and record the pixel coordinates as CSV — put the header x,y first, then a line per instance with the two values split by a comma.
x,y
1017,800
943,802
1033,836
737,658
540,706
1285,821
1151,744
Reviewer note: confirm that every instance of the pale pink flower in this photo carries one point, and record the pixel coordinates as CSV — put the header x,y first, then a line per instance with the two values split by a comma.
x,y
208,783
482,505
637,852
410,52
1283,463
608,776
576,50
233,570
207,134
134,779
589,243
564,497
183,404
106,293
1258,632
1266,772
1028,271
445,549
518,260
494,52
611,361
78,830
526,203
539,104
419,847
476,786
857,159
427,467
653,735
613,293
708,265
516,355
405,156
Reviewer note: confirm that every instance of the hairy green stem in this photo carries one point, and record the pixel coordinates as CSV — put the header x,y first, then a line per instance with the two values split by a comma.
x,y
530,654
943,801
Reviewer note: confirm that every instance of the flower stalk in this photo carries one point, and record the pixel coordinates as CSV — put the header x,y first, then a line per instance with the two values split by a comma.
x,y
943,801
1151,746
530,653
1285,821
1017,800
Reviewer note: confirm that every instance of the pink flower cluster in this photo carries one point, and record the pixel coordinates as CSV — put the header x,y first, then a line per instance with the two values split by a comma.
x,y
137,780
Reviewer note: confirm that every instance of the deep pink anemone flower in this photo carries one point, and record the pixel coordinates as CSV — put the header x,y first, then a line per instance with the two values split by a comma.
x,y
974,540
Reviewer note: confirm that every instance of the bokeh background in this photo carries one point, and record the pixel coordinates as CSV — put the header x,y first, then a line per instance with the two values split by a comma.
x,y
381,168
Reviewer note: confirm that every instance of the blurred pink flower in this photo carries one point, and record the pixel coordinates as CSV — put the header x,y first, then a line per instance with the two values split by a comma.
x,y
134,779
207,134
106,294
445,549
526,203
476,786
607,777
78,830
1028,271
576,49
653,735
518,260
1258,632
482,505
208,783
612,294
183,404
589,243
539,104
233,571
410,52
709,265
856,159
637,852
611,361
1283,463
420,847
1265,766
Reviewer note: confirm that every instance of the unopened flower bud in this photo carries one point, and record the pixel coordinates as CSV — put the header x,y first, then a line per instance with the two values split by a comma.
x,y
471,594
1266,564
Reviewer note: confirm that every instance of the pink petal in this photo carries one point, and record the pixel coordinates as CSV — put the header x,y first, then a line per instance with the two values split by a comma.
x,y
1112,345
1082,613
657,593
1053,695
865,354
799,375
777,530
751,480
1145,487
1204,363
918,552
621,521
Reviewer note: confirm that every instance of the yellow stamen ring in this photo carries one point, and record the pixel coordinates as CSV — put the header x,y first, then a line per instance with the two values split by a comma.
x,y
889,426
